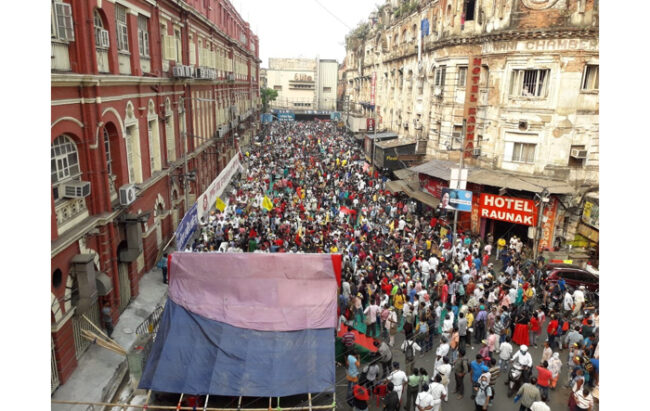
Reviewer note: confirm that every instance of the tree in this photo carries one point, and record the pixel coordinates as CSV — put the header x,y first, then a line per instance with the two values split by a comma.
x,y
268,95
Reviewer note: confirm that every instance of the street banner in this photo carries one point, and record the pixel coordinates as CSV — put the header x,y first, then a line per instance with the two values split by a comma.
x,y
216,188
186,228
510,209
548,228
452,199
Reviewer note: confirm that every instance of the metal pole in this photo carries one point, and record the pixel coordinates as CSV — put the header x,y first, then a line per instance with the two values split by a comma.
x,y
185,172
460,172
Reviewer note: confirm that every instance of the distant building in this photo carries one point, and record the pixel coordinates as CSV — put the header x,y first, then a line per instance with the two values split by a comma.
x,y
303,84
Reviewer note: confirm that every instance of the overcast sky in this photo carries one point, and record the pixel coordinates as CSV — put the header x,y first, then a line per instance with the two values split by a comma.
x,y
303,28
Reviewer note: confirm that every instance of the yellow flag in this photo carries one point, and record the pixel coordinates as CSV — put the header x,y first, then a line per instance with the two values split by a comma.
x,y
344,162
267,203
220,204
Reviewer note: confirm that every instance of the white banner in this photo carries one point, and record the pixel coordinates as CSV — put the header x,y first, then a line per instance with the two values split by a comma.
x,y
208,199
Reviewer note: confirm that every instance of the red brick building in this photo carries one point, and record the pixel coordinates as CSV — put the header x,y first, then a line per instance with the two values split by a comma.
x,y
138,86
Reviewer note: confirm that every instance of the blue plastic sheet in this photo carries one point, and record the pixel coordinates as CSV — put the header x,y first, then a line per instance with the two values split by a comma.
x,y
196,355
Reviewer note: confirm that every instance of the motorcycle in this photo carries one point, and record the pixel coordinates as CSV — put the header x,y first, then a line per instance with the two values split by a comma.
x,y
516,378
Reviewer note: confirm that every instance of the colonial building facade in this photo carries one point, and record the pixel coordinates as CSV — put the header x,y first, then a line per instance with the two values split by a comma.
x,y
150,100
303,85
534,89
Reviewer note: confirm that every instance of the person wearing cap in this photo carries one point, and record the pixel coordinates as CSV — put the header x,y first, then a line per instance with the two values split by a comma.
x,y
483,394
361,397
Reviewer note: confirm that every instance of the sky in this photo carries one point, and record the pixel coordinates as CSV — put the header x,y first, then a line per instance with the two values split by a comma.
x,y
303,28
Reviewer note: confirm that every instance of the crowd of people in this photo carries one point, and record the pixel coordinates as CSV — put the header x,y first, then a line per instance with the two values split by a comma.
x,y
307,189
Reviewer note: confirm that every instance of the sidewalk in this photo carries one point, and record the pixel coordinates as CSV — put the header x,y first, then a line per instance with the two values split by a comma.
x,y
100,371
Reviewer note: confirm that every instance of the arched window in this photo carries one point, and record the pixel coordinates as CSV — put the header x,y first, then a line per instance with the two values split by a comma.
x,y
101,34
65,163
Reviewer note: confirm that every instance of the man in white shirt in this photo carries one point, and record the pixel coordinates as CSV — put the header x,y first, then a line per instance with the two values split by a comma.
x,y
568,302
438,392
443,348
424,400
398,378
578,299
539,406
444,370
523,357
505,351
433,263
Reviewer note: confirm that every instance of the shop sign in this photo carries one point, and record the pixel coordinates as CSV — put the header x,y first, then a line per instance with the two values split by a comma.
x,y
588,232
370,124
548,228
431,186
471,101
476,221
510,209
452,199
590,214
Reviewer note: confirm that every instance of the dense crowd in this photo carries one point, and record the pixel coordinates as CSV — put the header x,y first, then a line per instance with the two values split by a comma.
x,y
404,274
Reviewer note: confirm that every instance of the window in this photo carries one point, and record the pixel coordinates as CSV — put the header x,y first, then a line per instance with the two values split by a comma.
x,y
529,83
439,80
62,26
590,78
107,148
327,89
179,46
122,29
277,87
143,36
470,5
101,35
523,153
64,163
462,76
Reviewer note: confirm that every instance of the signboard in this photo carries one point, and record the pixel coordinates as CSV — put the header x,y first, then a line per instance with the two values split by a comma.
x,y
370,125
475,219
510,209
452,199
548,226
590,214
186,228
471,101
266,118
286,116
335,116
209,197
373,84
431,186
588,232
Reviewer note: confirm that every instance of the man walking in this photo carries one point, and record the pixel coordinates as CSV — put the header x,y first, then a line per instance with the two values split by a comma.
x,y
461,367
412,387
529,393
438,392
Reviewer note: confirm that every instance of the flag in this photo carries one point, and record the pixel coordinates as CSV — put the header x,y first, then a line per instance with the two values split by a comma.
x,y
220,205
267,203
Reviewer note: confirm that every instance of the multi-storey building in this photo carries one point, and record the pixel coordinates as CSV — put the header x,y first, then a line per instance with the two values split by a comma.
x,y
150,100
303,85
533,93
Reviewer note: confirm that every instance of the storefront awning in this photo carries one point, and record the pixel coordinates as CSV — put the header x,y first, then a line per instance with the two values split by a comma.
x,y
402,185
403,174
497,178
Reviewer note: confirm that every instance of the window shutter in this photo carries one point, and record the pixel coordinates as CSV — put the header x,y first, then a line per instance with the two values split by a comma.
x,y
507,151
104,39
64,23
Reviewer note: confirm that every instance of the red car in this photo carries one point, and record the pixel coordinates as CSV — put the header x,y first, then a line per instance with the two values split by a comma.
x,y
573,275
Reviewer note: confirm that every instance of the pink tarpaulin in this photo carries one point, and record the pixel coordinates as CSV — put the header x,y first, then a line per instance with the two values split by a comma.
x,y
266,292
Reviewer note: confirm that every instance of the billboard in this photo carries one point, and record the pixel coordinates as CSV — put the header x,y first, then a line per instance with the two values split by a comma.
x,y
510,209
471,101
370,125
335,115
452,199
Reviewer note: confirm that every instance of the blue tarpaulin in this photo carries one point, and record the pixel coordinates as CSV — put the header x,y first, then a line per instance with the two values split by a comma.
x,y
196,355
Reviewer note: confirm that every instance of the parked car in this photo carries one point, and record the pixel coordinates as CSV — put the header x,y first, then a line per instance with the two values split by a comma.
x,y
573,275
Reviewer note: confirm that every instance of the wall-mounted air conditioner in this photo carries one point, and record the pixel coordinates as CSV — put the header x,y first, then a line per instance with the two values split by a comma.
x,y
476,152
127,194
577,153
76,189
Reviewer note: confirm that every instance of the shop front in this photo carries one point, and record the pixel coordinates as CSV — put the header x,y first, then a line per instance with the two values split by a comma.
x,y
504,216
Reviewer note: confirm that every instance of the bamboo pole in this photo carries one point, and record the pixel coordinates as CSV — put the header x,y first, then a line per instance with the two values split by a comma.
x,y
146,402
309,397
101,343
99,329
95,338
172,407
239,403
205,406
178,406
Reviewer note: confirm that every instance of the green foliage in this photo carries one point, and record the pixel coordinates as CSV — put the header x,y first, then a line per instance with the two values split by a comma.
x,y
268,95
357,35
405,9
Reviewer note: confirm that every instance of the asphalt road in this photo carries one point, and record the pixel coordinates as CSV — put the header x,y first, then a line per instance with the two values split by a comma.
x,y
557,399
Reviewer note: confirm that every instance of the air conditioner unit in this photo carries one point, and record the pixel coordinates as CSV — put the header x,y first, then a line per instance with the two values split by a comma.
x,y
437,91
178,71
189,71
577,153
127,194
222,131
476,152
76,189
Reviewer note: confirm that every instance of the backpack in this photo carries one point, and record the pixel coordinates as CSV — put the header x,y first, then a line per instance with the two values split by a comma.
x,y
409,353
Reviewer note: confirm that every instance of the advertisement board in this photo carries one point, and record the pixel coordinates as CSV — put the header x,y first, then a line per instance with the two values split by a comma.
x,y
370,125
209,197
590,214
510,209
453,199
186,228
548,227
471,101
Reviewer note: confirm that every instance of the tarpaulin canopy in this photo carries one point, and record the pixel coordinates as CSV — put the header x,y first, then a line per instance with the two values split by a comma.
x,y
246,325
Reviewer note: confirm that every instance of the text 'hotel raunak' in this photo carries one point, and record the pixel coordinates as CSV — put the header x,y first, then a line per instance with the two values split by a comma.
x,y
150,100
